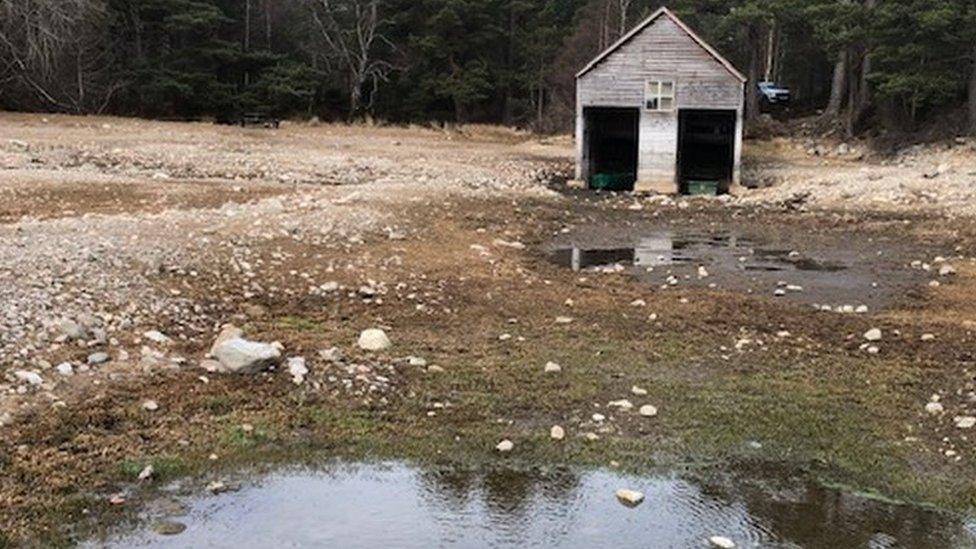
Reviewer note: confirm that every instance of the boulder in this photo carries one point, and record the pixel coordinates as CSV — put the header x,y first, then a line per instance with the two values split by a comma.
x,y
374,340
240,356
630,498
228,332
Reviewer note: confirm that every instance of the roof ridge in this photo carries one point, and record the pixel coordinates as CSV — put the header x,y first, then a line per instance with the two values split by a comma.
x,y
663,10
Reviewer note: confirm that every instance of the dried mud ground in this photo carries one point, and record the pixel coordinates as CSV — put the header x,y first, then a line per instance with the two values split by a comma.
x,y
306,236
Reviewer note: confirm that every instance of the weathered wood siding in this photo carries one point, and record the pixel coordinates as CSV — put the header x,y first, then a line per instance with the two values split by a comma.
x,y
662,51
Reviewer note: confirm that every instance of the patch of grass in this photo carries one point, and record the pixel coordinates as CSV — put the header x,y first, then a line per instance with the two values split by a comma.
x,y
239,437
164,468
219,405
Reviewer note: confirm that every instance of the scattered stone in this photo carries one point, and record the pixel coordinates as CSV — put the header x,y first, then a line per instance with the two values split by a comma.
x,y
417,361
564,319
874,334
220,487
505,446
65,369
638,391
638,303
157,337
169,528
947,270
934,408
965,422
95,359
30,378
150,405
435,369
599,418
721,542
117,499
374,339
147,472
648,410
557,433
553,368
297,370
928,337
240,356
623,404
72,330
630,498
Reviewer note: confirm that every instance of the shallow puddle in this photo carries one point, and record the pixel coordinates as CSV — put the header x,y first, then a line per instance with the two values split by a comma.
x,y
393,505
832,276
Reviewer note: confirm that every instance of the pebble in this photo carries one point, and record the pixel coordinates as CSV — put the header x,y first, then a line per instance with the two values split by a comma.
x,y
157,337
147,472
169,528
630,498
874,334
553,368
65,369
505,446
638,391
557,433
721,542
623,404
965,422
564,319
31,378
97,358
599,418
648,411
934,408
297,369
150,405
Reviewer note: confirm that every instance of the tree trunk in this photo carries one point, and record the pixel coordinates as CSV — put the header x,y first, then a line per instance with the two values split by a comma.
x,y
837,86
752,95
972,94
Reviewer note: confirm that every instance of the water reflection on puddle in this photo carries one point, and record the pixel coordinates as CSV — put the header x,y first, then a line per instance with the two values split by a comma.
x,y
398,506
665,248
835,278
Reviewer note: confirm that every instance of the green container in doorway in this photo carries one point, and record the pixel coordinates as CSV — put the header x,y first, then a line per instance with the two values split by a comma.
x,y
612,181
697,187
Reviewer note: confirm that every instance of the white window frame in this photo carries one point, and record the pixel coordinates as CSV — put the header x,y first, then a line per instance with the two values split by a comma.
x,y
659,95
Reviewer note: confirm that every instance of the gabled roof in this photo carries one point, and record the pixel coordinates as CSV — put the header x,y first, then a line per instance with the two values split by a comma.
x,y
665,12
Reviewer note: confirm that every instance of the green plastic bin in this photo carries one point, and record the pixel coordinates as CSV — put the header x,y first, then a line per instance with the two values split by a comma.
x,y
700,187
612,181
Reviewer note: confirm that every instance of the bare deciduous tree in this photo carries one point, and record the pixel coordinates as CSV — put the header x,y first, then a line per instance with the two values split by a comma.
x,y
351,32
55,52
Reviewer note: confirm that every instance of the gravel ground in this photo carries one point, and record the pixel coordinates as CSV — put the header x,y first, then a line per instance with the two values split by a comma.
x,y
95,209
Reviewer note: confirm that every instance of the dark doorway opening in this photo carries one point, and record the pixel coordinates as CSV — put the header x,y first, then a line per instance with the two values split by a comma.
x,y
706,149
612,147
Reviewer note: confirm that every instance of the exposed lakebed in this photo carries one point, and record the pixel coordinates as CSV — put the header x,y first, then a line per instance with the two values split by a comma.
x,y
395,505
835,275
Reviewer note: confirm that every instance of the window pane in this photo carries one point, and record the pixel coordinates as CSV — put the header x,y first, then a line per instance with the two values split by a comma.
x,y
667,89
652,103
666,104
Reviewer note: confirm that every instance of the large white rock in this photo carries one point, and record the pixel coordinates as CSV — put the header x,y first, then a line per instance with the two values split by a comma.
x,y
557,433
228,333
374,340
721,542
630,498
874,334
648,410
240,356
505,446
